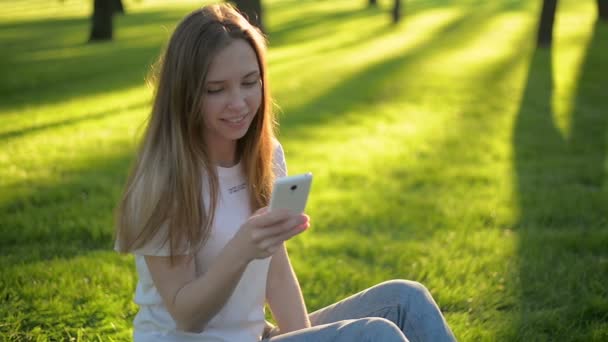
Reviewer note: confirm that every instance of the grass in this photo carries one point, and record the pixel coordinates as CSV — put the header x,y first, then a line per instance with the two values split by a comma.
x,y
445,150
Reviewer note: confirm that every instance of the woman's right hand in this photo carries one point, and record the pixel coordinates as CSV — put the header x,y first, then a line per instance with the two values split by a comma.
x,y
265,231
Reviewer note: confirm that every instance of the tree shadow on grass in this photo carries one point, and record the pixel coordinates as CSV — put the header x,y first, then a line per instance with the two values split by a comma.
x,y
18,133
382,78
563,199
414,195
39,34
59,274
75,211
311,26
284,33
306,27
54,63
313,29
385,80
50,230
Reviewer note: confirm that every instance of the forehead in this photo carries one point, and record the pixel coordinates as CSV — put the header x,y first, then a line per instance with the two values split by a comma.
x,y
233,61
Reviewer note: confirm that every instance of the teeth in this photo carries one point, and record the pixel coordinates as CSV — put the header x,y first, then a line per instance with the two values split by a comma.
x,y
236,120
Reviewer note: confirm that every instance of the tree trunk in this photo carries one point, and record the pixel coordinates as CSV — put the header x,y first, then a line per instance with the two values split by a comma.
x,y
118,7
602,9
373,3
397,11
252,9
545,28
101,20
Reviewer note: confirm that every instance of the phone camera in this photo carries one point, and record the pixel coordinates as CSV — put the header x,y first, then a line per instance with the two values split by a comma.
x,y
293,187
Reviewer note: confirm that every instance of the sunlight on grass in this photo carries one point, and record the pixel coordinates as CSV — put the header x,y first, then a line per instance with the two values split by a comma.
x,y
336,64
95,302
82,107
412,131
479,53
398,139
19,10
571,37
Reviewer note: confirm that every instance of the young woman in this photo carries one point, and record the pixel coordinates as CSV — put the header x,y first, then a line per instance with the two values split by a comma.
x,y
208,252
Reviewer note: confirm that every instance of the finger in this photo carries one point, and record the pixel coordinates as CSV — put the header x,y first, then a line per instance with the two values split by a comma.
x,y
268,218
262,233
267,232
274,217
275,243
286,225
277,240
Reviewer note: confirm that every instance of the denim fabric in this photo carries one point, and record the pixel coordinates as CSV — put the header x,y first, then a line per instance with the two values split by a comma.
x,y
396,310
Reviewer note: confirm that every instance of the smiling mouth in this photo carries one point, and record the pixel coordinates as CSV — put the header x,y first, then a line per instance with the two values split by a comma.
x,y
236,120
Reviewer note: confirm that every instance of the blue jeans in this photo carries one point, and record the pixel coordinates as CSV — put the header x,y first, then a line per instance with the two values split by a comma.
x,y
396,310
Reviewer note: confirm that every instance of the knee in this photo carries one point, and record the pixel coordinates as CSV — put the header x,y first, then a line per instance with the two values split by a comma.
x,y
377,329
406,290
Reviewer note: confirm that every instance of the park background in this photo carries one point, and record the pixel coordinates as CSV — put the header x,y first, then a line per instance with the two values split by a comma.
x,y
447,149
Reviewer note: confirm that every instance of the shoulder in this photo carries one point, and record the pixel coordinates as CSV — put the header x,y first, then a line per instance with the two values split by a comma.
x,y
278,159
277,148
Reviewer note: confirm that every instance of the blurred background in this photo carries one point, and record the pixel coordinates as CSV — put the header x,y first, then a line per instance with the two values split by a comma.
x,y
459,143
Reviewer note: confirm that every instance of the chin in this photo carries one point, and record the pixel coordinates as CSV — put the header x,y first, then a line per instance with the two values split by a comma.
x,y
236,135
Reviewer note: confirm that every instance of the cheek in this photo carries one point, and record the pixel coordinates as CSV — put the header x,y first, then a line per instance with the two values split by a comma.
x,y
254,99
211,108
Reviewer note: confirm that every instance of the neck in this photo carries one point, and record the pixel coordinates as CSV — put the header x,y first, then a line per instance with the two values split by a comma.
x,y
223,153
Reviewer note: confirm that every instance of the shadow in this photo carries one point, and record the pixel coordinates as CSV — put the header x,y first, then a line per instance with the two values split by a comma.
x,y
72,121
388,76
326,43
51,59
73,216
41,32
414,195
325,40
563,199
76,210
57,246
65,218
590,117
299,30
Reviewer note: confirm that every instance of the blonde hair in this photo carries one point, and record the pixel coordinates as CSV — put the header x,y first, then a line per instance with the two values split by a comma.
x,y
165,184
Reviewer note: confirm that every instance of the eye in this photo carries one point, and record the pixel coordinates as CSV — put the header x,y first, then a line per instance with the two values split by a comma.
x,y
251,83
214,91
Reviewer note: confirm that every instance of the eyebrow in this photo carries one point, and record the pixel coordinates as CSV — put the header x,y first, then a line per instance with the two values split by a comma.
x,y
249,74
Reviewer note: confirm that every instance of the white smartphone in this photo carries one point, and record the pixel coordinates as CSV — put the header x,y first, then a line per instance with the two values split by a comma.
x,y
291,193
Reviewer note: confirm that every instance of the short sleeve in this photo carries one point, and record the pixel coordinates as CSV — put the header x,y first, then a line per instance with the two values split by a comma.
x,y
278,161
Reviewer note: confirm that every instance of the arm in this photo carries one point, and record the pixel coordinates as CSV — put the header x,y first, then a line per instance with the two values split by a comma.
x,y
194,300
284,295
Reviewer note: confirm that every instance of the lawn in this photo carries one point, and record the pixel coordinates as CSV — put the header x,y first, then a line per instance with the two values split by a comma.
x,y
446,150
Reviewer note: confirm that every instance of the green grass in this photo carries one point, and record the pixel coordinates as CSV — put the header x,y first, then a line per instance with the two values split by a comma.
x,y
445,150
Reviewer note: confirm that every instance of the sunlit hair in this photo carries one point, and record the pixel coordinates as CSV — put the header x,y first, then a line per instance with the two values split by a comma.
x,y
173,163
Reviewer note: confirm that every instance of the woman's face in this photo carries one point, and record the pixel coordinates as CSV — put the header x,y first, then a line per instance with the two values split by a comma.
x,y
232,93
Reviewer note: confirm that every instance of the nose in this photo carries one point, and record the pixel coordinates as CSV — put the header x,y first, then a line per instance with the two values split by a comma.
x,y
236,102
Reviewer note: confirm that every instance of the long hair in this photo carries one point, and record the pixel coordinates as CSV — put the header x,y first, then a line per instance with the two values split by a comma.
x,y
173,164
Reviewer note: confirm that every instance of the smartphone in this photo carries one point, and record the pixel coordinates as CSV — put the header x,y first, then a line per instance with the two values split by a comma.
x,y
291,193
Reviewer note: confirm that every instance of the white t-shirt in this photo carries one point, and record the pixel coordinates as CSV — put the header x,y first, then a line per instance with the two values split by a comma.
x,y
242,317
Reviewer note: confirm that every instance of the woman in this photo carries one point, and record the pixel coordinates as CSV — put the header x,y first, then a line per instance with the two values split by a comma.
x,y
208,252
